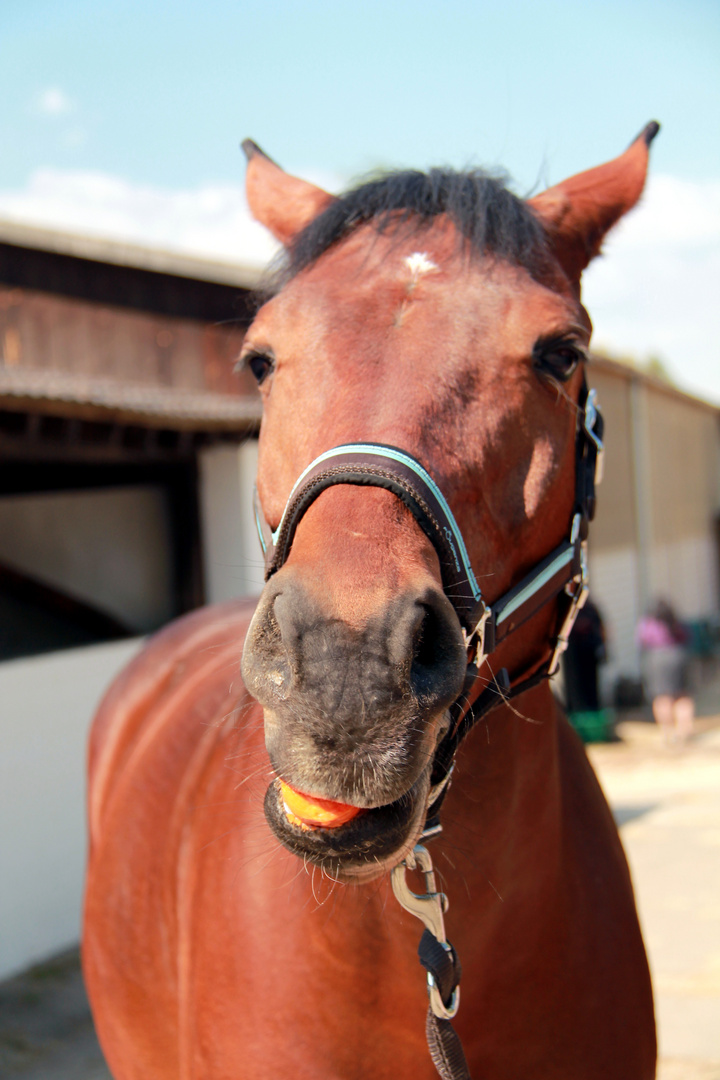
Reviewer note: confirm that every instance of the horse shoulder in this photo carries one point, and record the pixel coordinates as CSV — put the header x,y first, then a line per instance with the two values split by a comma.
x,y
166,719
170,663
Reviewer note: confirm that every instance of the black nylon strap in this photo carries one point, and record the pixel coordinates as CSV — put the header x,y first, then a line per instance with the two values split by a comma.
x,y
445,1048
541,596
444,1045
586,453
442,964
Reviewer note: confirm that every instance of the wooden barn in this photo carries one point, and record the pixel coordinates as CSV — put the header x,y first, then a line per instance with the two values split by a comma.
x,y
127,457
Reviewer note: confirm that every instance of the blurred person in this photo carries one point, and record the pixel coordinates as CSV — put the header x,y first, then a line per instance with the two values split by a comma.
x,y
585,652
663,640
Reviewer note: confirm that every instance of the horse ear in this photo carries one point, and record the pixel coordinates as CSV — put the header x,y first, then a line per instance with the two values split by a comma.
x,y
578,212
282,203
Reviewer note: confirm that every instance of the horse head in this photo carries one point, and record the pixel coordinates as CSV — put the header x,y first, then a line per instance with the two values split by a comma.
x,y
441,315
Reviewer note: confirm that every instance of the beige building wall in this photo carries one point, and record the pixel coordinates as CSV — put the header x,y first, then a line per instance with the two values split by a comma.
x,y
655,533
110,547
232,559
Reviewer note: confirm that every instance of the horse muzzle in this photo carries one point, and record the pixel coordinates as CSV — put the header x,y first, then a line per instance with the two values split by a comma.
x,y
353,715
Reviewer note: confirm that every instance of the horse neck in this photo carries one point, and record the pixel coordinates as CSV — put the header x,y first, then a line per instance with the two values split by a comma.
x,y
507,798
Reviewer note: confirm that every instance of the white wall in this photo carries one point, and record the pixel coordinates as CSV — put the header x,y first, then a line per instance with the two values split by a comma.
x,y
232,558
46,705
110,548
614,587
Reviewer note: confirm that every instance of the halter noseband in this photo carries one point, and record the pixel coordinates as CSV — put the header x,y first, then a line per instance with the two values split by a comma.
x,y
561,574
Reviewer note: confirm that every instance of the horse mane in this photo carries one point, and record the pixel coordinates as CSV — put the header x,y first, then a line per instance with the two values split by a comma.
x,y
489,218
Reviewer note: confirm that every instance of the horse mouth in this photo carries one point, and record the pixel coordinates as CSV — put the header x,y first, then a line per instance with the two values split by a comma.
x,y
366,846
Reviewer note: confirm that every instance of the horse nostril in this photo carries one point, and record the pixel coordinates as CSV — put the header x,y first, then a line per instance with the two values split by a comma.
x,y
438,658
425,649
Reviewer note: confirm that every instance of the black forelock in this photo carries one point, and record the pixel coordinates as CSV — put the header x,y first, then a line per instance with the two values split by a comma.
x,y
488,217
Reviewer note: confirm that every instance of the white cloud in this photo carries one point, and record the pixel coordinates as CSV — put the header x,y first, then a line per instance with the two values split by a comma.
x,y
654,292
53,102
211,221
656,289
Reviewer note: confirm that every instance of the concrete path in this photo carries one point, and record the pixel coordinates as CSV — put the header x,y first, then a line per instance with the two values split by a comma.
x,y
46,1032
667,803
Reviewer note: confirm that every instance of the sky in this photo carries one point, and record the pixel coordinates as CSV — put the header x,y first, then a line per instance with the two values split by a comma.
x,y
124,119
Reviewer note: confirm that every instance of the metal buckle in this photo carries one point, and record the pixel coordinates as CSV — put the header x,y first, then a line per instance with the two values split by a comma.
x,y
437,789
479,632
590,416
429,907
577,590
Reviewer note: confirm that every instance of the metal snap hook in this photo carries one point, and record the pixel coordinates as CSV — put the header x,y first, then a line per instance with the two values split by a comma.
x,y
429,907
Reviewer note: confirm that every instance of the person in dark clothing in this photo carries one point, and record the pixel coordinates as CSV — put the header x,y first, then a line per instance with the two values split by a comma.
x,y
585,651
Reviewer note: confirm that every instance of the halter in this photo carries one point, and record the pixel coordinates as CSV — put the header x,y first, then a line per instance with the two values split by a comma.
x,y
562,575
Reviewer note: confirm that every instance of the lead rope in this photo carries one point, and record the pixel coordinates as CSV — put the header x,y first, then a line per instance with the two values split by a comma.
x,y
439,959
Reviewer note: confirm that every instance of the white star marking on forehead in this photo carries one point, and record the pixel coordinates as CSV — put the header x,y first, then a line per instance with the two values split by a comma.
x,y
419,264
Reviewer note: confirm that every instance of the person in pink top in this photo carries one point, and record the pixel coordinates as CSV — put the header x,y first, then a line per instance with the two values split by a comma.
x,y
663,639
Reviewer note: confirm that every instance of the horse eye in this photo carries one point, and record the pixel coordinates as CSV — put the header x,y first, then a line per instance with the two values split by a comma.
x,y
261,365
558,360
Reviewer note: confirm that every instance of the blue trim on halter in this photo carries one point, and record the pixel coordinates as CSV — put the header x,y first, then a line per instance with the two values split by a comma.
x,y
408,462
536,584
258,526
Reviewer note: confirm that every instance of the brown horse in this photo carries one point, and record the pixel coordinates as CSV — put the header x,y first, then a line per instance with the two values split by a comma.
x,y
239,930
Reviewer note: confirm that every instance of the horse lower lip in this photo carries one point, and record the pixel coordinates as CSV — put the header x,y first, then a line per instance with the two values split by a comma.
x,y
371,839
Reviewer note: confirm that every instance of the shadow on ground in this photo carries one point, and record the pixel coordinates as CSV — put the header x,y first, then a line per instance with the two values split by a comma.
x,y
46,1031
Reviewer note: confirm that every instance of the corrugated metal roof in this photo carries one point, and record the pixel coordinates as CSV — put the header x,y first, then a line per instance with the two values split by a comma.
x,y
107,400
99,249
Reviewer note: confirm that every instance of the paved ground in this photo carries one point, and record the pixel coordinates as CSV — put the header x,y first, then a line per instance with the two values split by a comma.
x,y
667,803
46,1032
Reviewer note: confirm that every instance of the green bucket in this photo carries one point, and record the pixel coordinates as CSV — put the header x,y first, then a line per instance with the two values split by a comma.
x,y
592,726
